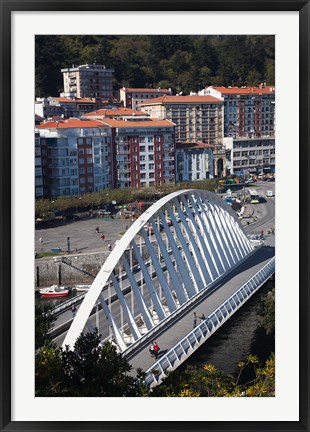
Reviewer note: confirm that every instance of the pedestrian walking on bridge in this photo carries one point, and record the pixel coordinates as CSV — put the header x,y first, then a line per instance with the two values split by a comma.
x,y
73,310
194,320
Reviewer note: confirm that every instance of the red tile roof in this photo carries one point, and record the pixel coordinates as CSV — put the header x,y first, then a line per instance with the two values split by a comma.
x,y
245,90
137,124
145,90
182,100
76,100
114,113
70,123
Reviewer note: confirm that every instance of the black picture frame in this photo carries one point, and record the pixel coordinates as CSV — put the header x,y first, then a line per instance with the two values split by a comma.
x,y
7,7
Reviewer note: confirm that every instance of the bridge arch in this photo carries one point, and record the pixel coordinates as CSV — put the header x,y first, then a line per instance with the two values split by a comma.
x,y
170,255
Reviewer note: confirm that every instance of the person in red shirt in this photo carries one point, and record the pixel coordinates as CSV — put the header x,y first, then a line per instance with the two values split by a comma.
x,y
155,349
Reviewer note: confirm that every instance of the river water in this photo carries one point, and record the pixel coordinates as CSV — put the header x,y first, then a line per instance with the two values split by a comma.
x,y
240,336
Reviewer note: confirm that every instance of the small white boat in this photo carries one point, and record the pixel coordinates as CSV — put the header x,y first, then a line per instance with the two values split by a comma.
x,y
55,291
81,288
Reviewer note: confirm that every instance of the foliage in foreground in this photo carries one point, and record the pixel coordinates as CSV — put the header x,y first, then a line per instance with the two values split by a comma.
x,y
208,381
88,370
94,370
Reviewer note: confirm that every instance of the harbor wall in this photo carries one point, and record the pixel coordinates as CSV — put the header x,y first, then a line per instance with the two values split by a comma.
x,y
76,269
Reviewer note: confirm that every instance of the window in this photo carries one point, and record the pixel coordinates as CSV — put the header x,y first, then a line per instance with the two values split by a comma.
x,y
81,161
82,171
81,151
88,141
90,170
142,149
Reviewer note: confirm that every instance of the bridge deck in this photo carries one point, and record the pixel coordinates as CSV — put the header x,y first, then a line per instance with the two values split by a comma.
x,y
175,332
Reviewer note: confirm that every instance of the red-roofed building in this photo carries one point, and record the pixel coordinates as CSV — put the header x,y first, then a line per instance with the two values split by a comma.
x,y
248,111
132,97
197,119
145,151
86,155
77,156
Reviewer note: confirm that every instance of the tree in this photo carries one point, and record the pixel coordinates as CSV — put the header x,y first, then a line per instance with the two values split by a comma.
x,y
44,322
90,369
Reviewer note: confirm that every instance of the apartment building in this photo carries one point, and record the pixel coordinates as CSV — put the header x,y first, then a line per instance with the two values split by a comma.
x,y
76,156
248,111
252,155
194,161
39,192
132,97
197,118
145,151
88,81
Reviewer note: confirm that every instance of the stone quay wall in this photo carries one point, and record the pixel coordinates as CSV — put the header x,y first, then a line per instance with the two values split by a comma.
x,y
76,269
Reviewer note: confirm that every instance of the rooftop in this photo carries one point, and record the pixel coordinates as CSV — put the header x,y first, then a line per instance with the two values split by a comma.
x,y
138,124
117,112
145,90
70,123
245,90
182,100
75,100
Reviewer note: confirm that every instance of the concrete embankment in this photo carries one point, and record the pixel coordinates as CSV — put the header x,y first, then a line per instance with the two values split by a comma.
x,y
68,269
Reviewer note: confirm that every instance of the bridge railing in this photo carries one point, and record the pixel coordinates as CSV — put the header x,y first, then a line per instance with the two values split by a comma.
x,y
191,342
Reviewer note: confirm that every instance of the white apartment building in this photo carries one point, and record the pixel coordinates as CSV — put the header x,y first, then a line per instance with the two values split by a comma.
x,y
88,81
76,156
194,161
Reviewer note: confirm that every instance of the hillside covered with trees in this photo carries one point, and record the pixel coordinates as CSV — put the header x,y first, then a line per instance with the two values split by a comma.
x,y
180,62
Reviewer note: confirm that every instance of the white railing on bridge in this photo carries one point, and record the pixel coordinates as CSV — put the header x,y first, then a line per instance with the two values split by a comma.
x,y
191,342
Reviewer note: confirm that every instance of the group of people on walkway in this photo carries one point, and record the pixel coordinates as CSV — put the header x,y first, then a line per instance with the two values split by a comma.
x,y
201,317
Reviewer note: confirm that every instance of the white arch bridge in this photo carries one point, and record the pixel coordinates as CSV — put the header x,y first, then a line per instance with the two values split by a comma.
x,y
175,254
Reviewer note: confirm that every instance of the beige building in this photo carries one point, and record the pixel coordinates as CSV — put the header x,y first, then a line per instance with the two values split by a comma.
x,y
88,81
197,119
132,97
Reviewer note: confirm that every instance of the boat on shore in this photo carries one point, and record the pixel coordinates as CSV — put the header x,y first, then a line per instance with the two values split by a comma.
x,y
81,288
54,291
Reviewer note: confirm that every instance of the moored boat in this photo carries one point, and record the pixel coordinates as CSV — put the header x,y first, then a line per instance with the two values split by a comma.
x,y
55,291
81,288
